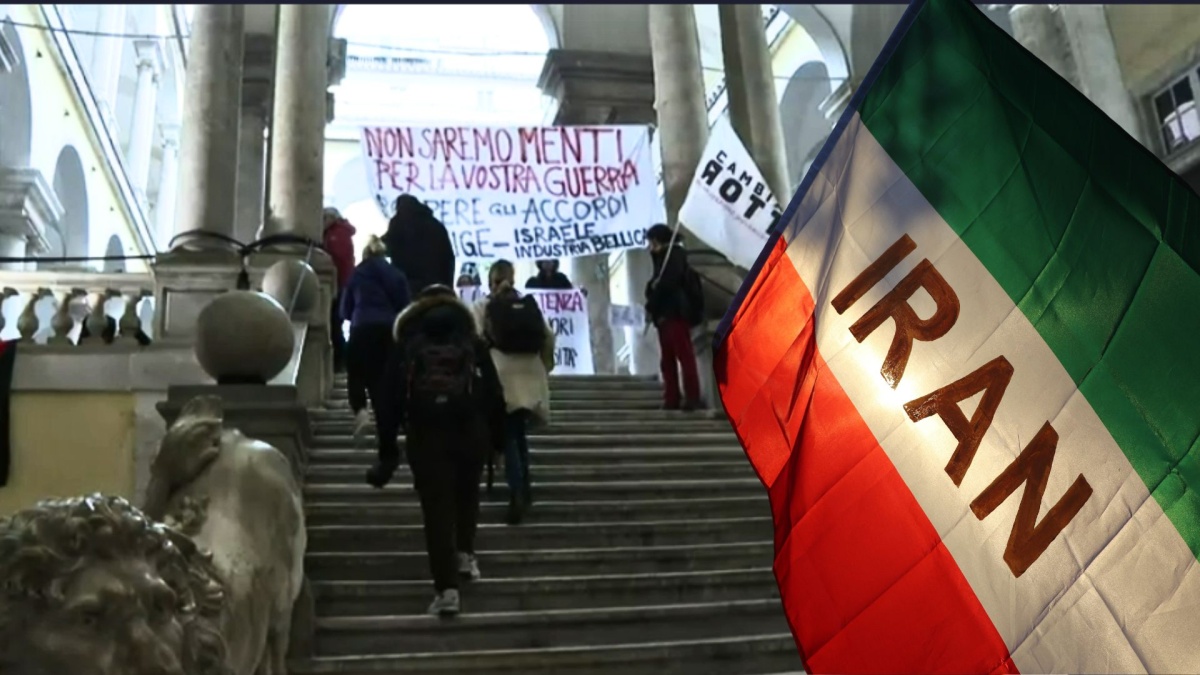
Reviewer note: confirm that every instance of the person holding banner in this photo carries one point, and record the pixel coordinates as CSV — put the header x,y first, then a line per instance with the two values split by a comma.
x,y
548,278
522,347
674,306
418,243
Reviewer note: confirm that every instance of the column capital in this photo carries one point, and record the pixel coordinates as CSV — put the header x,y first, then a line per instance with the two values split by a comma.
x,y
599,87
28,207
336,64
149,55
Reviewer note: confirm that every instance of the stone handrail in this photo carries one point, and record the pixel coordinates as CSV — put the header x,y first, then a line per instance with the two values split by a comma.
x,y
101,295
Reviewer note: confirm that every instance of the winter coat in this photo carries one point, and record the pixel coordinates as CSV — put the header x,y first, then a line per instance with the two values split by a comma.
x,y
439,316
555,282
524,377
338,241
376,294
420,246
668,299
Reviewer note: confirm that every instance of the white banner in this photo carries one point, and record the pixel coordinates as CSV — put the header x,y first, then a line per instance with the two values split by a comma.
x,y
566,313
627,316
729,206
521,193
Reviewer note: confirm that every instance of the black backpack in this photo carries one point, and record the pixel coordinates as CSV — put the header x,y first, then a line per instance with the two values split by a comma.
x,y
441,376
515,324
693,293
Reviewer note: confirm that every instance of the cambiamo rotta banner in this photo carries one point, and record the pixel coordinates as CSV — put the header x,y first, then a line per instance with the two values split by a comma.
x,y
520,193
729,205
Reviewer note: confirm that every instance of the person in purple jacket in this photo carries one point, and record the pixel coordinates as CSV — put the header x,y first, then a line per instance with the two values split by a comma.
x,y
371,300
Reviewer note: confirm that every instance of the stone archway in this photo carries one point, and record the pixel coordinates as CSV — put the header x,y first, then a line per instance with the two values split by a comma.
x,y
800,113
16,101
70,184
114,249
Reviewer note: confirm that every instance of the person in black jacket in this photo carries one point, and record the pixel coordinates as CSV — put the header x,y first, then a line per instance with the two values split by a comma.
x,y
668,307
548,278
446,447
418,243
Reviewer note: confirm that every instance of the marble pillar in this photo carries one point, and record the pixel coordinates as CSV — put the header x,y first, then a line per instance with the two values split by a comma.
x,y
168,181
145,107
750,85
1076,42
298,121
679,99
252,161
209,136
599,88
106,60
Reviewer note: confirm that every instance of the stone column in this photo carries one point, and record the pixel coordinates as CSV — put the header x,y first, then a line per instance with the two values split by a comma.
x,y
599,88
679,99
145,101
750,85
106,59
168,181
209,137
1076,42
252,161
298,122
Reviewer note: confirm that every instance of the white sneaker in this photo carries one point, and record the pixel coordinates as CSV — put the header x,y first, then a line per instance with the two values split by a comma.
x,y
445,603
362,421
468,566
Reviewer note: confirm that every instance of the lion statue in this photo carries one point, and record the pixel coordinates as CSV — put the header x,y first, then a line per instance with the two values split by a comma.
x,y
91,586
239,499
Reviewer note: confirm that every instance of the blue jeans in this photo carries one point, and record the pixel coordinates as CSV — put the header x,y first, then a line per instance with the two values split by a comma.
x,y
516,454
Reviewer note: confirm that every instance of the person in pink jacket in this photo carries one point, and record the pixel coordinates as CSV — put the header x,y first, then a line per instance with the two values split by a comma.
x,y
338,241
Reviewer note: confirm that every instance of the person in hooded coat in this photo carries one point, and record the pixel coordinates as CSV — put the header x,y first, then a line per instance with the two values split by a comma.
x,y
418,243
446,451
338,241
549,278
374,297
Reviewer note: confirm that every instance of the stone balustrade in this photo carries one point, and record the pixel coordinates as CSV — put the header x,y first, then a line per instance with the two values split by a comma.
x,y
52,308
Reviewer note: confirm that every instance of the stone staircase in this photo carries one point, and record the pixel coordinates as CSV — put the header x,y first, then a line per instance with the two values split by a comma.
x,y
648,551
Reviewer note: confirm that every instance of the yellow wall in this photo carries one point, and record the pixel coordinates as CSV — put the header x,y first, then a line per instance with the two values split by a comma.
x,y
1154,41
60,119
66,444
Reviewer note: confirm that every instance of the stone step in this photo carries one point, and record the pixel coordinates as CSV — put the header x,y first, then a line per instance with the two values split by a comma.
x,y
401,566
320,416
541,457
648,393
616,426
563,385
340,379
364,598
343,636
399,491
613,402
533,536
570,440
323,474
736,655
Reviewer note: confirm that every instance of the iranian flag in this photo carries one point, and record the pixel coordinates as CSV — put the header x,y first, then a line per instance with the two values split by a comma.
x,y
966,367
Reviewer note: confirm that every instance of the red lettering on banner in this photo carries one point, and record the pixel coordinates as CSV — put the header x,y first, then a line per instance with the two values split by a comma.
x,y
559,302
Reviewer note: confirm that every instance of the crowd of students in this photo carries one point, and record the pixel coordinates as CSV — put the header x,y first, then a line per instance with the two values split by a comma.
x,y
466,382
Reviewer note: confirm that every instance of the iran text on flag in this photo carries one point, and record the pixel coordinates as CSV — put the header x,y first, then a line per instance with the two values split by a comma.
x,y
967,369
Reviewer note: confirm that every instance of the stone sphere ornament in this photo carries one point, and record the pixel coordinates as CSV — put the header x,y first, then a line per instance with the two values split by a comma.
x,y
293,281
244,337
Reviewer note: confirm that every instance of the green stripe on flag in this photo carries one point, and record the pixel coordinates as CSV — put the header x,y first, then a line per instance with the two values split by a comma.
x,y
1091,236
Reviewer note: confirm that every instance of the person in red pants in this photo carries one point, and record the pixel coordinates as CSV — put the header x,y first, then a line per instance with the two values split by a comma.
x,y
674,303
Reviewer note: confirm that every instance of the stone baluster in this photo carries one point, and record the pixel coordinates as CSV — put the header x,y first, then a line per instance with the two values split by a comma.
x,y
28,323
131,322
7,293
97,319
62,322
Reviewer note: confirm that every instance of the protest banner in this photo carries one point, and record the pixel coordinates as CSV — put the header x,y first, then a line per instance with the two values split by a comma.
x,y
520,193
566,314
729,205
627,316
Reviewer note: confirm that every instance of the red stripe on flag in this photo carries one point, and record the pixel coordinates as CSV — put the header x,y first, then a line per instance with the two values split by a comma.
x,y
867,584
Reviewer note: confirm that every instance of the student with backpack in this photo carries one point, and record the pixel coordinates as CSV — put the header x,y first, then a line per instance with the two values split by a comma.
x,y
675,304
522,347
442,390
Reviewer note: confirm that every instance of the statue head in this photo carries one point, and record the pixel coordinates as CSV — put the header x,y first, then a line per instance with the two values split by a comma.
x,y
91,586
